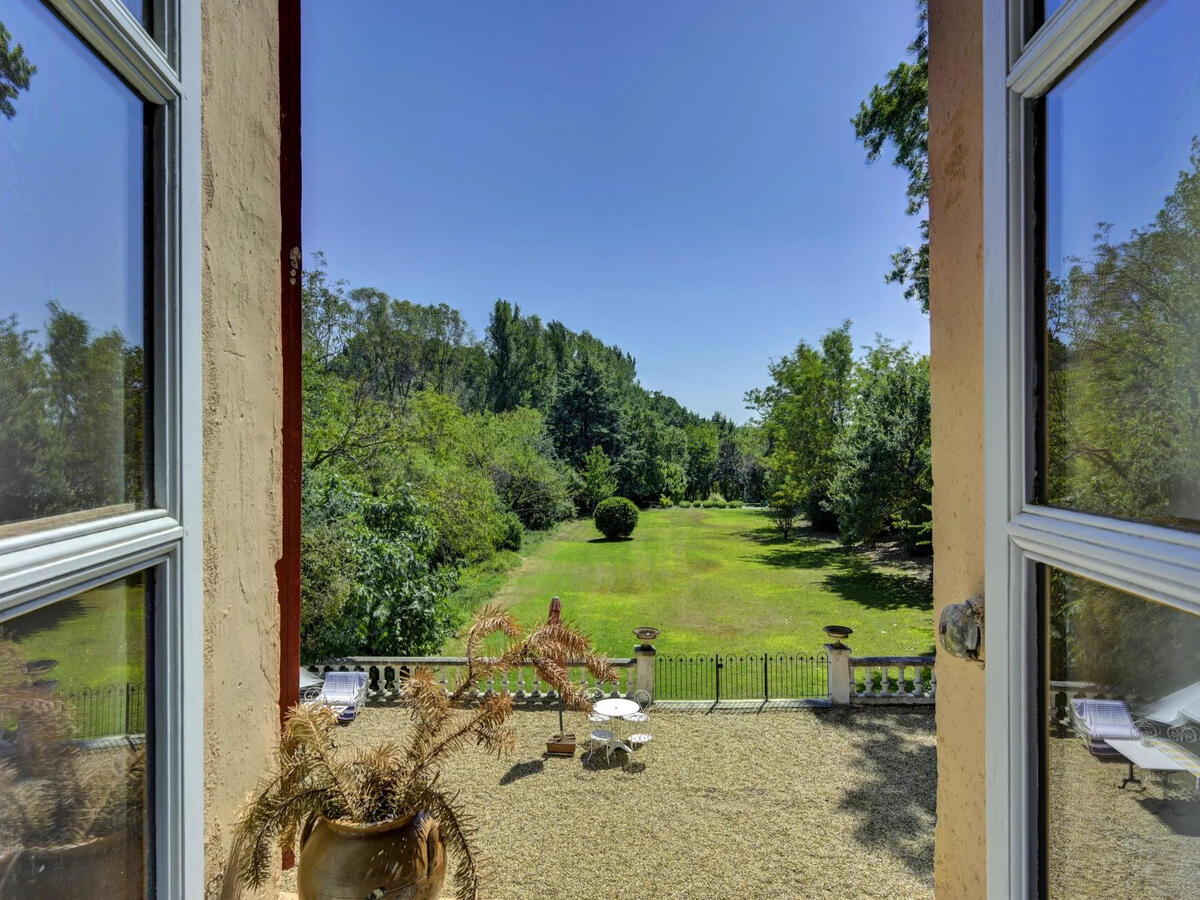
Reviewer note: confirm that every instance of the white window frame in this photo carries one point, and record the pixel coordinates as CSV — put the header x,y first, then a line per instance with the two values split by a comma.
x,y
41,567
1152,562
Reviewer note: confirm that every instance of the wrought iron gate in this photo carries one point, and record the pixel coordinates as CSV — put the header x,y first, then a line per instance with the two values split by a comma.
x,y
740,676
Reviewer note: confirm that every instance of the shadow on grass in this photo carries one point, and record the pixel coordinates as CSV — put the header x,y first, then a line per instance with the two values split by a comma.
x,y
522,770
852,575
604,540
895,801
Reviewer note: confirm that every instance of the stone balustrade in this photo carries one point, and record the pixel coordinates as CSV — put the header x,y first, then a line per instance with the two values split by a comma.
x,y
386,676
892,679
854,680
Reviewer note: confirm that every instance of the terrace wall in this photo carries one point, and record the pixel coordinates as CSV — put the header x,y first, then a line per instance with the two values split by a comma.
x,y
956,374
242,408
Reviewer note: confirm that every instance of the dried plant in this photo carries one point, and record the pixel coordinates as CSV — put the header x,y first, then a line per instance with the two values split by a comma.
x,y
55,794
388,781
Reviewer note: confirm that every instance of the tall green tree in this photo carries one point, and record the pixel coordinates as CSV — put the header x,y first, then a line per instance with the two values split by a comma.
x,y
803,413
883,480
896,113
585,413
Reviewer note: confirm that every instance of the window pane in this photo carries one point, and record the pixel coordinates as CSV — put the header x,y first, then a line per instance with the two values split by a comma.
x,y
1122,257
73,713
73,258
1105,836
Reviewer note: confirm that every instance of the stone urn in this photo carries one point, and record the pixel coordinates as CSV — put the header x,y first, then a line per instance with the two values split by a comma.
x,y
403,859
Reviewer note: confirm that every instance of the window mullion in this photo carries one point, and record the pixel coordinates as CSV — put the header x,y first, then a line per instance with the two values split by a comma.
x,y
119,39
55,565
1062,40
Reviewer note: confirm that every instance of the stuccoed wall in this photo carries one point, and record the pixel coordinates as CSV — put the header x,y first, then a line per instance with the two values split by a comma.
x,y
956,374
242,408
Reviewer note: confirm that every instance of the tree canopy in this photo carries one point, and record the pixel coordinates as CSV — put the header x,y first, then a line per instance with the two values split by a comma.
x,y
896,114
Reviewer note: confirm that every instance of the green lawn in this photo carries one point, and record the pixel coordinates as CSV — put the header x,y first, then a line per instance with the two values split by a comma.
x,y
92,648
721,580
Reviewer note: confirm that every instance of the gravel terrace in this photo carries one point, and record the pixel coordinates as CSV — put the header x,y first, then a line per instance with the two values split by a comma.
x,y
1107,842
787,804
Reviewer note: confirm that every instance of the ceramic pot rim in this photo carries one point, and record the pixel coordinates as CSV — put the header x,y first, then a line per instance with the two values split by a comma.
x,y
348,829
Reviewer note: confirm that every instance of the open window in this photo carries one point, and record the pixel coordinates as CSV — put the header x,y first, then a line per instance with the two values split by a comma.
x,y
1092,368
99,441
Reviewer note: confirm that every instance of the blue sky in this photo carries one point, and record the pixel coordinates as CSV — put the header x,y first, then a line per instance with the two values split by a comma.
x,y
70,184
680,178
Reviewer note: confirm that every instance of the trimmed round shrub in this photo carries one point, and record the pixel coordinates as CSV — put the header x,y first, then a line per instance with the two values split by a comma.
x,y
733,504
685,504
616,517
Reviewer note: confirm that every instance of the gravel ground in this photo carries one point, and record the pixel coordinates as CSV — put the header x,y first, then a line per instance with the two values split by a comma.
x,y
796,803
1108,842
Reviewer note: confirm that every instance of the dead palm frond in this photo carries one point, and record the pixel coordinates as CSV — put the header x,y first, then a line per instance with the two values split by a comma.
x,y
390,781
53,793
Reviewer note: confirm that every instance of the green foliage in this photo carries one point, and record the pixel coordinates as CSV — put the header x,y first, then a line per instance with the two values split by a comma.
x,y
530,480
803,413
597,481
897,112
512,532
15,72
883,481
367,583
584,415
616,517
685,504
1124,352
653,455
72,420
665,501
784,507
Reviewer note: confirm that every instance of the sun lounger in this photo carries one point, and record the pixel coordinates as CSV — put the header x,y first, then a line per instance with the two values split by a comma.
x,y
1099,721
345,693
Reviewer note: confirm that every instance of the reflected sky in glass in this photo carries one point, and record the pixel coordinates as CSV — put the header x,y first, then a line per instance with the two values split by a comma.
x,y
72,240
1122,193
1120,128
137,7
71,179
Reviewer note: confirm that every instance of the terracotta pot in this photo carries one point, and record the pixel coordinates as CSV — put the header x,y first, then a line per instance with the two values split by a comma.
x,y
114,861
403,858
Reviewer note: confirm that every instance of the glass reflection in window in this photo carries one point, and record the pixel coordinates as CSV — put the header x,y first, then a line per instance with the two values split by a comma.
x,y
73,257
1122,285
1122,806
73,728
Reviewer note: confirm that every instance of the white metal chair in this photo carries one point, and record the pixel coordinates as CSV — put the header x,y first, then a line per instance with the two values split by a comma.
x,y
602,737
641,718
643,700
594,717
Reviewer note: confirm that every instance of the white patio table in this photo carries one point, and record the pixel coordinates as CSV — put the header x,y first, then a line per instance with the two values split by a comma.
x,y
616,708
1143,754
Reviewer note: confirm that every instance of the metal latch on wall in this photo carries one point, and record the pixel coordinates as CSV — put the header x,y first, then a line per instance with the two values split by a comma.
x,y
960,628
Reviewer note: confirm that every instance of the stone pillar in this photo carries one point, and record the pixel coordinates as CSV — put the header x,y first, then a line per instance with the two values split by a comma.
x,y
839,673
644,654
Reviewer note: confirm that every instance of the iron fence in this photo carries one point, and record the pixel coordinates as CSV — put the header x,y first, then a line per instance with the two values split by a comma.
x,y
114,709
741,676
